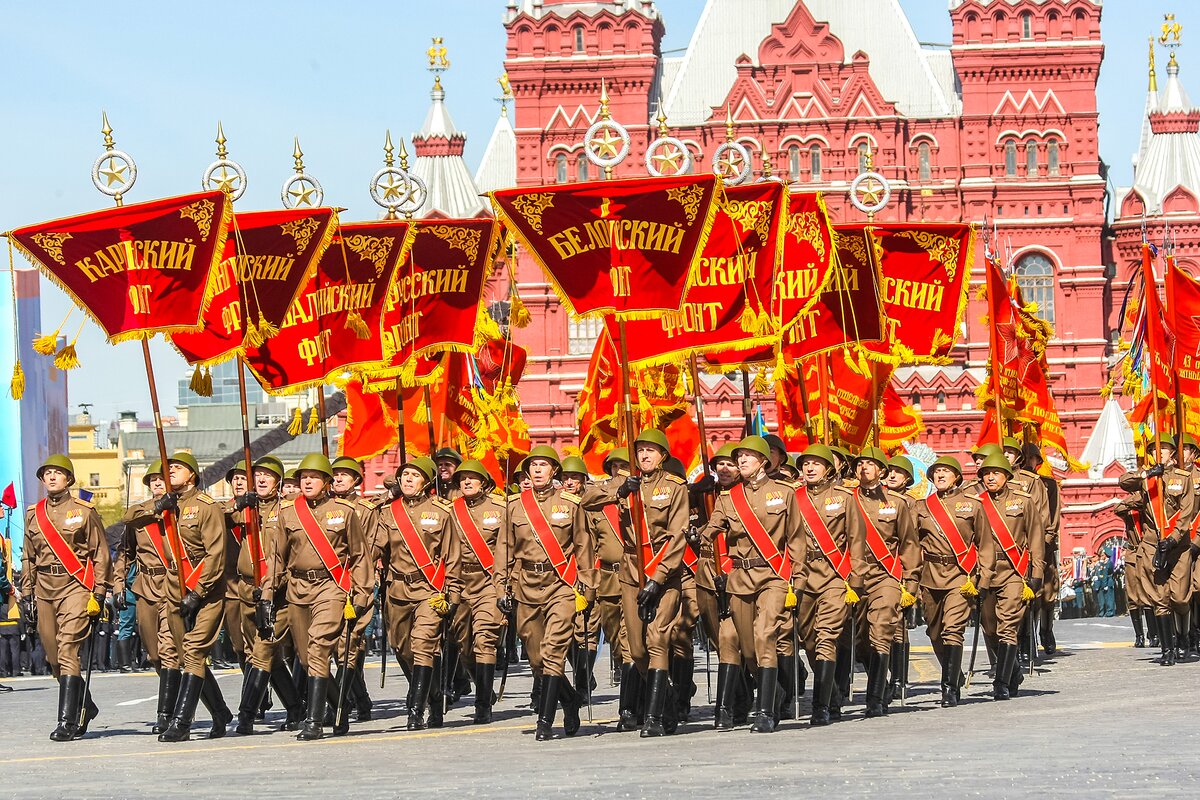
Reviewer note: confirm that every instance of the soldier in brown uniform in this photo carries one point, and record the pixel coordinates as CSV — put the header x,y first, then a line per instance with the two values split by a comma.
x,y
265,664
1012,549
146,544
683,648
415,538
235,534
1141,610
321,562
1031,461
347,480
478,517
1030,482
1189,640
1167,559
949,522
761,522
899,479
67,573
546,571
892,569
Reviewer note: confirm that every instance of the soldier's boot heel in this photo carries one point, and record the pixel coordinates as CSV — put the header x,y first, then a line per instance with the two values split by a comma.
x,y
765,720
168,693
571,701
485,675
422,677
358,688
631,685
285,688
655,705
727,676
341,705
1166,637
318,698
877,669
70,695
1006,662
551,688
180,727
90,712
823,689
952,676
1139,632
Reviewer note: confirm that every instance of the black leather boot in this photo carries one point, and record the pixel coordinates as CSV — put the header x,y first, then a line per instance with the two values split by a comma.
x,y
787,667
180,727
125,655
485,676
877,672
630,699
1151,627
168,693
341,721
285,689
1183,627
1166,637
1046,631
844,679
765,720
358,689
70,697
535,694
437,694
1139,632
421,680
254,686
1023,654
683,670
658,682
952,676
894,687
728,676
214,702
571,701
1006,664
548,707
318,699
823,690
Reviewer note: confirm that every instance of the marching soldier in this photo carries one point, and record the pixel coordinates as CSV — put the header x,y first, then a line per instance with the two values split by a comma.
x,y
1031,483
67,573
1190,451
899,479
1044,604
320,564
195,617
416,540
1141,610
478,519
347,480
235,533
574,477
949,522
762,526
891,570
146,545
1168,502
683,659
547,573
1012,549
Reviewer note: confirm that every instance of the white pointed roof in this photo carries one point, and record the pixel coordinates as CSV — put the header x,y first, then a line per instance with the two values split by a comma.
x,y
1112,440
498,167
920,82
439,163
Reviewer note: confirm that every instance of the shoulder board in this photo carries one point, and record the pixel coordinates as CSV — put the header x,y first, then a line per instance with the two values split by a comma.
x,y
204,498
848,483
343,502
844,489
31,508
286,504
793,485
673,478
365,503
444,505
85,503
1019,492
571,496
902,496
1184,472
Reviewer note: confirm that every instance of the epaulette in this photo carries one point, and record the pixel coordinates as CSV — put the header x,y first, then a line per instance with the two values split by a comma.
x,y
673,478
444,505
344,502
849,483
1019,492
841,487
366,503
793,485
85,503
571,496
204,498
286,504
1184,472
31,508
894,493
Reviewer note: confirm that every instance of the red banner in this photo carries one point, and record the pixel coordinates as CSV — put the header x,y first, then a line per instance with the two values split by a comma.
x,y
899,421
139,269
624,247
809,257
334,325
371,420
270,257
728,300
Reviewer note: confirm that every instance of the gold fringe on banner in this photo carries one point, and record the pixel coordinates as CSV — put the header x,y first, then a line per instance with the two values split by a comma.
x,y
314,420
67,358
297,422
17,386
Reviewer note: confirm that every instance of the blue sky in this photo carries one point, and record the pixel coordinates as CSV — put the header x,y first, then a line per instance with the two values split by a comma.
x,y
336,75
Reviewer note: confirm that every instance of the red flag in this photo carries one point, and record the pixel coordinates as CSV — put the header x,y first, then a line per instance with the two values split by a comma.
x,y
899,422
10,496
139,269
371,419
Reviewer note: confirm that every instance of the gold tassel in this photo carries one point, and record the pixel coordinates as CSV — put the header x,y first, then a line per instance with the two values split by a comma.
x,y
208,381
354,322
17,387
748,320
67,358
297,422
518,313
197,382
680,389
421,412
251,338
46,344
314,420
265,329
661,388
765,323
851,597
760,382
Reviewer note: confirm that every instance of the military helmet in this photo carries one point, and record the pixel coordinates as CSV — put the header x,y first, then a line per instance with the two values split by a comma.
x,y
350,465
238,467
873,454
316,463
655,437
422,464
543,451
725,452
155,469
755,444
901,464
985,450
574,464
950,462
271,464
1185,440
58,461
617,454
996,461
450,453
818,450
188,460
471,467
840,452
291,475
775,442
1011,443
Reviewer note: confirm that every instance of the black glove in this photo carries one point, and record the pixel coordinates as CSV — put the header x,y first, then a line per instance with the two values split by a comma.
x,y
647,601
188,608
723,611
264,612
247,500
168,502
1156,471
705,484
1161,553
29,607
693,538
506,604
119,601
1035,584
631,485
394,490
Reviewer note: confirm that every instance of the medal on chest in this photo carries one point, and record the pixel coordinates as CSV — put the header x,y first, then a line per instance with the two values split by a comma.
x,y
429,519
774,499
560,513
74,518
833,504
335,518
661,493
491,519
887,512
189,512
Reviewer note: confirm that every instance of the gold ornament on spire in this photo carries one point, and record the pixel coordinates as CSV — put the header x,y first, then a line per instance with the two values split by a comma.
x,y
301,190
224,174
667,156
1172,36
114,172
1153,74
731,160
606,142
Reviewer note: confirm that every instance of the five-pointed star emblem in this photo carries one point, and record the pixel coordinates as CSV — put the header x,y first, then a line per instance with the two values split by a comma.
x,y
668,155
731,164
393,188
606,144
227,182
302,191
114,173
871,191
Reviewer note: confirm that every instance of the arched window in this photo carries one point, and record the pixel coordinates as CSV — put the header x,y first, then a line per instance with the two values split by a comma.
x,y
1026,25
1031,158
794,161
814,162
578,38
862,156
560,168
1035,276
923,169
581,168
1052,157
1010,158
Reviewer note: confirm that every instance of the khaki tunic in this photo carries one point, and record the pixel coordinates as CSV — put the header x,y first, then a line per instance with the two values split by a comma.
x,y
895,519
201,524
947,610
607,544
475,586
62,620
149,585
1003,606
822,610
545,604
1170,589
262,653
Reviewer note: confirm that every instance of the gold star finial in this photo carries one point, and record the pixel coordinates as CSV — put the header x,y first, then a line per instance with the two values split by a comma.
x,y
388,158
662,119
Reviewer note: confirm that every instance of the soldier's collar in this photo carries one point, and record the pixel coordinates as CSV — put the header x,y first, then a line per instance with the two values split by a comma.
x,y
476,500
544,492
876,492
189,492
58,497
316,501
415,499
758,480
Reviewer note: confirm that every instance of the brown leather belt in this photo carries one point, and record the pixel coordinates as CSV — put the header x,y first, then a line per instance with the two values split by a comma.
x,y
614,566
53,569
537,566
706,552
813,554
472,568
314,575
750,563
940,559
153,570
410,577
